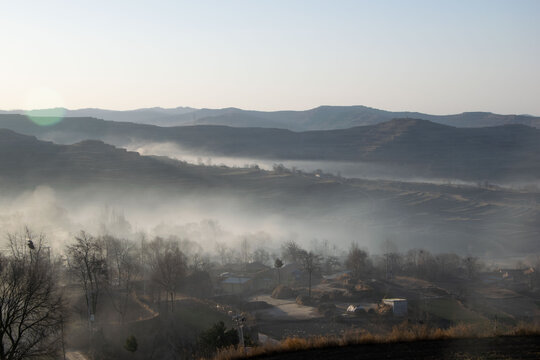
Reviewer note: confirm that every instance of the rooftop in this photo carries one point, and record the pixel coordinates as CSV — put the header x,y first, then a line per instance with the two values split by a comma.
x,y
235,280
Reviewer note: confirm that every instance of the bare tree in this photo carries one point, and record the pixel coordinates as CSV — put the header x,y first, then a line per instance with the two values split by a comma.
x,y
426,264
168,266
389,250
472,267
122,260
86,260
262,256
310,263
448,265
199,262
331,262
357,261
31,304
222,250
245,254
292,252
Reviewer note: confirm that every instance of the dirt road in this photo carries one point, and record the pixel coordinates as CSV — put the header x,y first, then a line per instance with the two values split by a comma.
x,y
285,309
75,355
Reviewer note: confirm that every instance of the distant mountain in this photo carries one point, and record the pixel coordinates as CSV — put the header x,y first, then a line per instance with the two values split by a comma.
x,y
509,152
343,117
156,115
320,118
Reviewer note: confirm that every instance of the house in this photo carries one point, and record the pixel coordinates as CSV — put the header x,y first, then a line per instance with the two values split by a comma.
x,y
255,266
491,277
337,275
399,306
516,275
236,285
291,272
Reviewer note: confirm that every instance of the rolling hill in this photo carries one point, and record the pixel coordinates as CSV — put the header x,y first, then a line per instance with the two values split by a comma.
x,y
464,219
502,153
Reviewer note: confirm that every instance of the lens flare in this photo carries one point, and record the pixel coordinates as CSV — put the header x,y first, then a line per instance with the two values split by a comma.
x,y
47,107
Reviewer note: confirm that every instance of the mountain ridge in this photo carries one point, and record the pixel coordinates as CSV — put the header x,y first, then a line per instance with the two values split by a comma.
x,y
429,149
324,117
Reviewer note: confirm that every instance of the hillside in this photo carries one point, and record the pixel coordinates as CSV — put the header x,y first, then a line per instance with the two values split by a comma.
x,y
502,153
503,347
26,161
320,118
464,219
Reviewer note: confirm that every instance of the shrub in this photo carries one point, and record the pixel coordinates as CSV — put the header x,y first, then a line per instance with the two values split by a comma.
x,y
326,309
303,300
217,337
131,344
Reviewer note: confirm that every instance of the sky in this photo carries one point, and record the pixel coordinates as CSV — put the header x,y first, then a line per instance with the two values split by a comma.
x,y
433,56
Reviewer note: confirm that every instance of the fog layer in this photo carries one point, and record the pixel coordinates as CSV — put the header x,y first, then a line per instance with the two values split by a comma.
x,y
363,170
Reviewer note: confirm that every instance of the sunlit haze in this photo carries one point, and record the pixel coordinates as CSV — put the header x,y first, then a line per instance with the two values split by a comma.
x,y
428,56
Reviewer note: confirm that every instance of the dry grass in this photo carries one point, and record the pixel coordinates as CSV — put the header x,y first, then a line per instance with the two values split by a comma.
x,y
399,333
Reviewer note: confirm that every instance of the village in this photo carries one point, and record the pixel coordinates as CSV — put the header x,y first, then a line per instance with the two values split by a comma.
x,y
279,302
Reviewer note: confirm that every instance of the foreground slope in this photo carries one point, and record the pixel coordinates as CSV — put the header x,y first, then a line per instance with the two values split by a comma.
x,y
503,347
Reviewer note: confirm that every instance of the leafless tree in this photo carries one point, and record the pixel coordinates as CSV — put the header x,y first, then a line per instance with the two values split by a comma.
x,y
330,263
472,266
31,304
225,253
222,250
357,261
199,262
123,267
245,255
311,263
448,265
292,252
389,250
168,266
421,263
86,260
262,256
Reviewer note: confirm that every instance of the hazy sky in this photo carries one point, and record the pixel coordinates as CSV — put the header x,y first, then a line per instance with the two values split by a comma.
x,y
430,56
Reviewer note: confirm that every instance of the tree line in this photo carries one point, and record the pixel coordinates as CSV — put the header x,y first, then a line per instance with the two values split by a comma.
x,y
33,306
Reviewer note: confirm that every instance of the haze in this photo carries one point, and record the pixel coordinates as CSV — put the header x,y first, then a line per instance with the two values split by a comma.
x,y
278,179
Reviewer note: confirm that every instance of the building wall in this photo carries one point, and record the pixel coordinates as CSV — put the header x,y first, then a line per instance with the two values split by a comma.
x,y
399,307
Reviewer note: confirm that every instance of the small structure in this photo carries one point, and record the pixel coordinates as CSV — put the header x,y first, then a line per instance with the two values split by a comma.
x,y
516,275
399,306
355,309
236,285
361,308
337,275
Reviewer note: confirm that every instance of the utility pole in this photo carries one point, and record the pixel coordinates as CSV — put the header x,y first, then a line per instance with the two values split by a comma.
x,y
240,320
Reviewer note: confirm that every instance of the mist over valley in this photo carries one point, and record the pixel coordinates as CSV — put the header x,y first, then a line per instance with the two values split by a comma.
x,y
154,193
211,180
